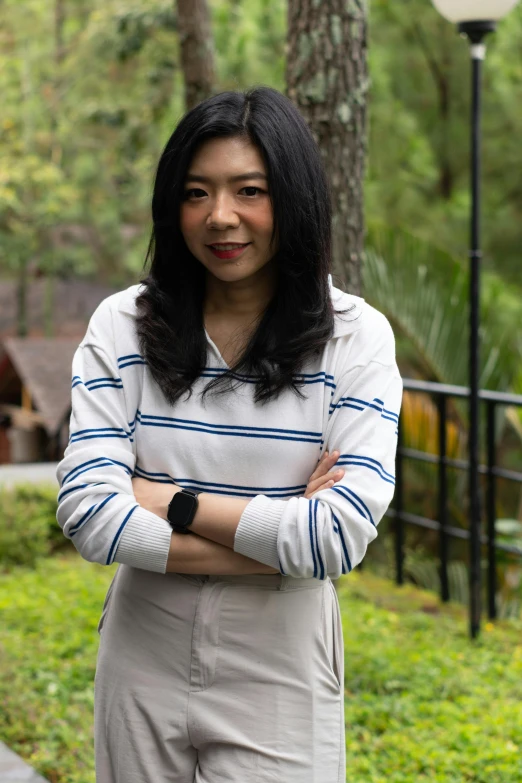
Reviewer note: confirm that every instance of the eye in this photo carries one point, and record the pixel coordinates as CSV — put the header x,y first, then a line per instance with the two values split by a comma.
x,y
193,191
252,187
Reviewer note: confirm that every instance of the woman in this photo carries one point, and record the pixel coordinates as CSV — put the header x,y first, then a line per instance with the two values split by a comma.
x,y
210,406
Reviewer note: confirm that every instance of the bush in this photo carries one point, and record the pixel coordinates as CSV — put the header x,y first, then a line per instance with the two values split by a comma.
x,y
28,526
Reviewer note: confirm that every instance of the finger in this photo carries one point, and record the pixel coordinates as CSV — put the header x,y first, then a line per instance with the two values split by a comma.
x,y
321,482
330,474
324,465
311,492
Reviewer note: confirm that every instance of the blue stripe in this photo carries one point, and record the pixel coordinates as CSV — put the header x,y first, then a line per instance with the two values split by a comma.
x,y
347,405
356,403
75,489
99,380
343,544
105,386
100,429
311,534
129,364
234,434
354,499
147,420
104,462
88,516
369,459
209,372
343,567
321,564
353,459
166,478
89,437
117,536
97,383
227,426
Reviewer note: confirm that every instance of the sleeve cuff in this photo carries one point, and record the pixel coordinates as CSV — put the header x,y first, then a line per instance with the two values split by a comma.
x,y
256,534
145,542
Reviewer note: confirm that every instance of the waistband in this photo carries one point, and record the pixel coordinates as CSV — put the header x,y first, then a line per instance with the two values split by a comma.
x,y
268,581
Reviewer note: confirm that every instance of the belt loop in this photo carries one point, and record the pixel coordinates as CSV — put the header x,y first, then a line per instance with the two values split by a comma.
x,y
283,582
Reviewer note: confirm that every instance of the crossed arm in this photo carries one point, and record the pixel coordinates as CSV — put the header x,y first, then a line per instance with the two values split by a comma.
x,y
210,549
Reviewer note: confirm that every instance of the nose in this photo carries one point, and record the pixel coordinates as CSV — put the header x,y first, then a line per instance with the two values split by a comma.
x,y
222,213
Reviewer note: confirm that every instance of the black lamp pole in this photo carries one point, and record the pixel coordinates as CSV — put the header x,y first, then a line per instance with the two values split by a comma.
x,y
475,31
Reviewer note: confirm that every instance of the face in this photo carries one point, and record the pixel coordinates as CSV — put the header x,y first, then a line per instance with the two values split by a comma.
x,y
226,214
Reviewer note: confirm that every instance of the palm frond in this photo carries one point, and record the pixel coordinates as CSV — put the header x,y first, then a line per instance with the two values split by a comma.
x,y
423,290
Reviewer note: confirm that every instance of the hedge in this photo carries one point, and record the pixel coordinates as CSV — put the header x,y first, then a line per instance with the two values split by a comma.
x,y
28,526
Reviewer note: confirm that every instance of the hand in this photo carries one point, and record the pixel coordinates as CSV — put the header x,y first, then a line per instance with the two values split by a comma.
x,y
323,477
153,495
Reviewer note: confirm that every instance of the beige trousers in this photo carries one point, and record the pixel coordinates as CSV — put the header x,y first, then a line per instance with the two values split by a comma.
x,y
219,679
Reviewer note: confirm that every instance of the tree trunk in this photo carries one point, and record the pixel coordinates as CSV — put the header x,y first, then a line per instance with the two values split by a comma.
x,y
327,78
197,50
21,298
59,53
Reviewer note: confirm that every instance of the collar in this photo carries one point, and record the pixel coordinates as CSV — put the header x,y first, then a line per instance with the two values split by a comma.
x,y
343,324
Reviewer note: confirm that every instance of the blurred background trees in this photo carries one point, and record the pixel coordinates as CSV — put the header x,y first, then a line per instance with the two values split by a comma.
x,y
91,90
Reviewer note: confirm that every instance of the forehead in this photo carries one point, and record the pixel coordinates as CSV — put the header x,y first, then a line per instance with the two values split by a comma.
x,y
226,157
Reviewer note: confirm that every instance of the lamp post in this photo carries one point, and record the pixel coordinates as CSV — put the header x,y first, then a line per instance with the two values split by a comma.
x,y
475,19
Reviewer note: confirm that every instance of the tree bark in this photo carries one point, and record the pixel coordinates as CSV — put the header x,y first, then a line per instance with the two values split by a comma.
x,y
327,78
197,50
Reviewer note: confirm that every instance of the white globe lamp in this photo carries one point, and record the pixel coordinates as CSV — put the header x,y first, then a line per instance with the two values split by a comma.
x,y
474,10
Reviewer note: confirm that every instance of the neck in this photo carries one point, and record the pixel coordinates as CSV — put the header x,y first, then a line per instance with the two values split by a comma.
x,y
239,300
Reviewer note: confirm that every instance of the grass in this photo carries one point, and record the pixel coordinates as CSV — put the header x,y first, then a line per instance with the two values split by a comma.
x,y
423,702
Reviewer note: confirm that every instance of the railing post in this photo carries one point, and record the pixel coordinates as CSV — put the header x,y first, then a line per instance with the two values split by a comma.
x,y
399,504
443,499
491,510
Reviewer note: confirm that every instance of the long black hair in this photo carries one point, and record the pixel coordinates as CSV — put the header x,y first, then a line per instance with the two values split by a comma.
x,y
299,319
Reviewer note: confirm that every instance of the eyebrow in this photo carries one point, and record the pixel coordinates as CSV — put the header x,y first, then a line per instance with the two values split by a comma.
x,y
237,178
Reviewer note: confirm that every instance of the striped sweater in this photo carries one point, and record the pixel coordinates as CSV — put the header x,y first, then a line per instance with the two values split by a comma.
x,y
122,426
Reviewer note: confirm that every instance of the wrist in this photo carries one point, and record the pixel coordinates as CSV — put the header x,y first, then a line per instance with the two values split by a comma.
x,y
181,510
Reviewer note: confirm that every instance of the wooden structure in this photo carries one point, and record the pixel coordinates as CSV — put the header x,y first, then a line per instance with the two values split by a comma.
x,y
35,397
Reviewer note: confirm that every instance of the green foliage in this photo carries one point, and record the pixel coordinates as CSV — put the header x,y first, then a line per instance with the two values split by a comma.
x,y
28,529
423,289
48,643
83,124
423,702
418,173
91,118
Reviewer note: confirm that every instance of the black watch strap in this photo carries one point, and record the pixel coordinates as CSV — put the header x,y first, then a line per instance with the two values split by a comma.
x,y
182,509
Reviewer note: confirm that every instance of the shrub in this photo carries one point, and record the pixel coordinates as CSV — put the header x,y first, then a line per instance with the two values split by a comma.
x,y
28,526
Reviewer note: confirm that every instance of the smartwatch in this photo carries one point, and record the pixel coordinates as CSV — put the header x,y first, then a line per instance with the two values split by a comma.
x,y
182,509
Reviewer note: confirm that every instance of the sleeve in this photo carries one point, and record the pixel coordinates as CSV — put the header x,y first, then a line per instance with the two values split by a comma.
x,y
328,534
97,509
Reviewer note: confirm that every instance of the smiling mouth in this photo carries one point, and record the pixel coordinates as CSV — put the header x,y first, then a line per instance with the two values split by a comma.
x,y
226,250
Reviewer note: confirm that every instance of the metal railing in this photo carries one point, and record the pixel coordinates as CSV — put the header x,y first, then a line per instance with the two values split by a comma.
x,y
492,472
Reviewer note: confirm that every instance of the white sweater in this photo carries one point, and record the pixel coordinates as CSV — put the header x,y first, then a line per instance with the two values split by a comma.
x,y
122,426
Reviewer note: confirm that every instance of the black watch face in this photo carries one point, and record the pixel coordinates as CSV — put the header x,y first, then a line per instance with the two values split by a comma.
x,y
181,508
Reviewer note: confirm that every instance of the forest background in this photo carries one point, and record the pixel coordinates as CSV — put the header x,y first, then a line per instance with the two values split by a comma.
x,y
87,110
92,89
